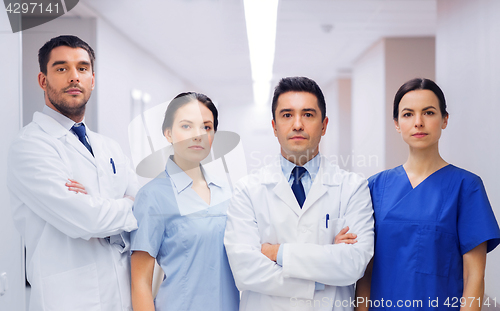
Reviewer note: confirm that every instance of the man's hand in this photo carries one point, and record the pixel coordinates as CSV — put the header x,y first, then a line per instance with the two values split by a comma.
x,y
129,197
344,237
270,250
75,186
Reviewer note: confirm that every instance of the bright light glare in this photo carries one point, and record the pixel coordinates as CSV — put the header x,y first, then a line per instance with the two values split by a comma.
x,y
136,94
146,98
261,16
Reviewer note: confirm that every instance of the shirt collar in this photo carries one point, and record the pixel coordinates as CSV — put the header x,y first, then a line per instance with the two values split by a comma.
x,y
181,180
312,166
65,122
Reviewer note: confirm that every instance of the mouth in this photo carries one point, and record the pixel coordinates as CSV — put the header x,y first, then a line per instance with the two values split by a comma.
x,y
419,135
196,147
74,91
297,137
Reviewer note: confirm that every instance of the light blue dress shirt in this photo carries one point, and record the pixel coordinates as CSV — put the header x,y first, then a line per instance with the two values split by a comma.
x,y
312,167
186,235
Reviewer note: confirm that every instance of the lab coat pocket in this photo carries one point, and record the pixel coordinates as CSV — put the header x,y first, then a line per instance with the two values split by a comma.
x,y
434,252
328,229
118,176
76,290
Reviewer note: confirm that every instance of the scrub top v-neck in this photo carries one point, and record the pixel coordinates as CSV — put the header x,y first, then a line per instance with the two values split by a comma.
x,y
186,235
422,233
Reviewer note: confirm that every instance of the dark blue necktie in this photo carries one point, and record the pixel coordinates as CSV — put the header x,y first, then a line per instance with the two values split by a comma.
x,y
297,187
80,132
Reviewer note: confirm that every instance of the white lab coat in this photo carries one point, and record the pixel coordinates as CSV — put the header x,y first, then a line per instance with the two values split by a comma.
x,y
70,264
264,210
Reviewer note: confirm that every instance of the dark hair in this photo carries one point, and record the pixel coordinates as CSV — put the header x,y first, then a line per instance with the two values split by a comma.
x,y
186,98
419,84
71,41
299,84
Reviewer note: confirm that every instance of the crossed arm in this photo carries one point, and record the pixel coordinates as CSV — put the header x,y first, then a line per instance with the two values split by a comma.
x,y
271,250
41,186
76,187
253,263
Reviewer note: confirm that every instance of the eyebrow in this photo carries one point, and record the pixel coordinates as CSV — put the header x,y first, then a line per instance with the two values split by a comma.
x,y
426,108
192,122
303,110
62,62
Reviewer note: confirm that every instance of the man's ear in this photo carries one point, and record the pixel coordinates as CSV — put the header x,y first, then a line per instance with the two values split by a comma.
x,y
274,128
325,123
42,81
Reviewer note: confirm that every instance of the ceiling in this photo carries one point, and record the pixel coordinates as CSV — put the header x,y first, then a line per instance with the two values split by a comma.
x,y
205,42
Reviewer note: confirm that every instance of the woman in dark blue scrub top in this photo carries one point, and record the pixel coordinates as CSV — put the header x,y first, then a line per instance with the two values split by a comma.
x,y
433,221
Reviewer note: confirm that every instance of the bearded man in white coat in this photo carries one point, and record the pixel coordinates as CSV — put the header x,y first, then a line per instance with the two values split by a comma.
x,y
72,192
287,230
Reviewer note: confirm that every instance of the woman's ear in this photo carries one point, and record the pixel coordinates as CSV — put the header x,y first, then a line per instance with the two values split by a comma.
x,y
168,134
445,122
396,124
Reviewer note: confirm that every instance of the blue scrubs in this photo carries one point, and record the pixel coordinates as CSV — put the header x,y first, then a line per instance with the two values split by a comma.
x,y
421,235
186,237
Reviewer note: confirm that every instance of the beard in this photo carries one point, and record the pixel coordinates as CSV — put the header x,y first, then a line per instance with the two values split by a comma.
x,y
70,110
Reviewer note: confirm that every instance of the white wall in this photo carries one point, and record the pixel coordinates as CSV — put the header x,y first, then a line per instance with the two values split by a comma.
x,y
405,59
368,115
121,67
336,144
329,145
377,75
11,247
468,70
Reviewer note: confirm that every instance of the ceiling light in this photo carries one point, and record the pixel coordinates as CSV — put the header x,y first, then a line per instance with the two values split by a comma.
x,y
260,17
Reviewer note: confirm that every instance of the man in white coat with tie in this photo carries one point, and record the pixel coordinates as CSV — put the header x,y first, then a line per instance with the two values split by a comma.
x,y
286,235
72,192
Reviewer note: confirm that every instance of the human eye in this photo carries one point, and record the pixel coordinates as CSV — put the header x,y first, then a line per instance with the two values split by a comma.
x,y
308,114
60,69
207,128
83,69
430,113
287,115
185,126
406,115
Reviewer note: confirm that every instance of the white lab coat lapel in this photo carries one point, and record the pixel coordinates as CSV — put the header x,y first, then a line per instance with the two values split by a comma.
x,y
324,181
77,144
281,188
53,128
97,146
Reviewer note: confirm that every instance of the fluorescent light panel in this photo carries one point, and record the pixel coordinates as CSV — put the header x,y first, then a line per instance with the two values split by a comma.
x,y
261,16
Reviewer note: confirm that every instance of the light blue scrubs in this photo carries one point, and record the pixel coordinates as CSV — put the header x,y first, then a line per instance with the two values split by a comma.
x,y
186,237
422,233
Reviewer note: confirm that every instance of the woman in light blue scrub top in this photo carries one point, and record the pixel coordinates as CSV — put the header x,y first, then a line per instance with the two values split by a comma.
x,y
181,216
433,221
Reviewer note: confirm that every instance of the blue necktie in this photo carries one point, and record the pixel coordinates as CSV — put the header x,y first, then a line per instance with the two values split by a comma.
x,y
80,132
297,187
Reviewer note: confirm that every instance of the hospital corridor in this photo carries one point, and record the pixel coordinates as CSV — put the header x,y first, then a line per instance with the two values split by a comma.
x,y
231,57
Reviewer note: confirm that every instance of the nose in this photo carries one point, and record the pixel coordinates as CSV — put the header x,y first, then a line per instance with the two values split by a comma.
x,y
198,133
419,122
74,76
297,123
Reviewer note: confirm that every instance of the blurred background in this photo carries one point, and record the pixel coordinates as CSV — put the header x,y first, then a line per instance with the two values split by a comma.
x,y
235,51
